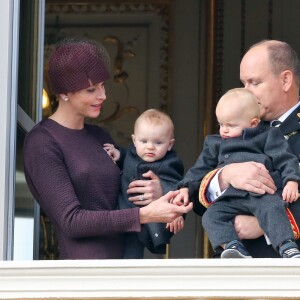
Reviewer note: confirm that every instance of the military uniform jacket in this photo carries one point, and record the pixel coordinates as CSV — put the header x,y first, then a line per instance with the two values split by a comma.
x,y
291,130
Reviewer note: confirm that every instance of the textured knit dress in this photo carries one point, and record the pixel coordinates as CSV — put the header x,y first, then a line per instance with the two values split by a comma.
x,y
76,184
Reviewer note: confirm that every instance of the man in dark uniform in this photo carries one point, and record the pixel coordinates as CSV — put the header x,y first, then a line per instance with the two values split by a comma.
x,y
271,71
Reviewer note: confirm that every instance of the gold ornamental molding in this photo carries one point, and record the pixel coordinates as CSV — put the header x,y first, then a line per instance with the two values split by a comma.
x,y
159,8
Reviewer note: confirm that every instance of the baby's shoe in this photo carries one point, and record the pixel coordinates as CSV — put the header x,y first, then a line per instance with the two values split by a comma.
x,y
235,249
289,249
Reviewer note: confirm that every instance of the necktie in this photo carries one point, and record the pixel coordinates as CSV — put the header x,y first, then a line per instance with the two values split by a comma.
x,y
276,123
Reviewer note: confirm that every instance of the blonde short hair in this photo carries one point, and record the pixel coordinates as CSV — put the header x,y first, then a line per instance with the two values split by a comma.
x,y
246,101
155,117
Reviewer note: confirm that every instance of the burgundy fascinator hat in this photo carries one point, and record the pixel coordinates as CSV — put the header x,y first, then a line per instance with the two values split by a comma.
x,y
77,64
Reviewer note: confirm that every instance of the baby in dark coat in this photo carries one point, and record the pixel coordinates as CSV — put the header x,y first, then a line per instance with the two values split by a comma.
x,y
151,150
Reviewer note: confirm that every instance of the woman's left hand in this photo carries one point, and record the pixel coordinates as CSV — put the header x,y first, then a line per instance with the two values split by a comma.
x,y
162,211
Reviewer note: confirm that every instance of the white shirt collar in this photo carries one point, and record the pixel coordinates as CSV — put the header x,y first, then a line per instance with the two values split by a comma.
x,y
286,114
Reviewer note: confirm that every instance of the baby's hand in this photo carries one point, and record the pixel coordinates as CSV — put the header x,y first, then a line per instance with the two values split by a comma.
x,y
182,198
290,192
177,225
112,151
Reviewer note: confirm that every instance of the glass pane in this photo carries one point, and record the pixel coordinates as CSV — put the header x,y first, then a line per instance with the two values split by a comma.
x,y
28,53
24,208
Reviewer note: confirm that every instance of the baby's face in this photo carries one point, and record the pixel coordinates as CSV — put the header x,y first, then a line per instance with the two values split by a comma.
x,y
232,123
152,141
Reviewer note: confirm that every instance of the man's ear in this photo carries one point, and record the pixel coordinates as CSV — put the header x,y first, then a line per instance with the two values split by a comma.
x,y
254,122
286,79
172,141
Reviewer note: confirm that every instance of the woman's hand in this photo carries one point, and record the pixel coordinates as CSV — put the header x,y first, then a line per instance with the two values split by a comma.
x,y
182,198
162,211
151,189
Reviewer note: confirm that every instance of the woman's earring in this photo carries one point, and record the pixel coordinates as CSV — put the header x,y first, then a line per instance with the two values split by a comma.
x,y
66,99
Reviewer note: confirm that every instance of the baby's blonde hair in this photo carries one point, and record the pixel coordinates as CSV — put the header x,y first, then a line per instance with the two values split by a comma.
x,y
155,117
244,100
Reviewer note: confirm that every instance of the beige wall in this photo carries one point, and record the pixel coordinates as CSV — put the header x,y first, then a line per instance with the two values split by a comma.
x,y
283,15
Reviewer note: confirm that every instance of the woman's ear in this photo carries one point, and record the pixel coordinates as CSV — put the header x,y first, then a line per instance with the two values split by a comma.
x,y
172,141
64,97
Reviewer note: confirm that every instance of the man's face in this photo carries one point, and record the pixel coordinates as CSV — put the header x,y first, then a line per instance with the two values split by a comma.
x,y
257,77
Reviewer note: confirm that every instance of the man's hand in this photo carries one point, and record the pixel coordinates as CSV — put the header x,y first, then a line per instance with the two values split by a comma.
x,y
247,227
248,176
162,211
151,189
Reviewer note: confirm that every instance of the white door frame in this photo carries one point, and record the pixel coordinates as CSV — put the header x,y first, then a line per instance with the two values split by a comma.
x,y
9,18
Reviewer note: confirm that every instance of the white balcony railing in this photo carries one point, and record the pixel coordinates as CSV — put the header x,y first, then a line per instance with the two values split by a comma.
x,y
152,279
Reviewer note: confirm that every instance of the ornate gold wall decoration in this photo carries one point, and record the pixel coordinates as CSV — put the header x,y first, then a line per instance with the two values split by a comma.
x,y
137,37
